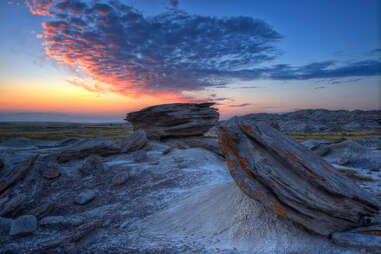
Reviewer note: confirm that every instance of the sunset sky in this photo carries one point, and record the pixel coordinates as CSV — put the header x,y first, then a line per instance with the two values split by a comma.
x,y
66,60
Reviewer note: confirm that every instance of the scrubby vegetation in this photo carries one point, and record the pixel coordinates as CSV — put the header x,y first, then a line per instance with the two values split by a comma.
x,y
334,136
57,131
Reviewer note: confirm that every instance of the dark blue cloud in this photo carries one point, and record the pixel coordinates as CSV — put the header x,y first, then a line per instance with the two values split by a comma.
x,y
172,52
327,69
240,105
318,70
174,3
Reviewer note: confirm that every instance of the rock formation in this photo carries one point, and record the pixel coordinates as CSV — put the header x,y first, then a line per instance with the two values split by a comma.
x,y
14,176
293,181
176,196
80,150
318,120
174,120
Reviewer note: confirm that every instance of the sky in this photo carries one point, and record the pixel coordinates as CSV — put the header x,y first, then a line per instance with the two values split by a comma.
x,y
85,60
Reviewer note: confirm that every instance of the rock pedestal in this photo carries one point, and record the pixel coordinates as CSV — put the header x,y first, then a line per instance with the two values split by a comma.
x,y
292,181
174,120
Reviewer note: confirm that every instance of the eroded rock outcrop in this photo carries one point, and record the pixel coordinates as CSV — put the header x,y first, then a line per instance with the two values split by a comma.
x,y
18,173
318,120
80,150
293,181
175,120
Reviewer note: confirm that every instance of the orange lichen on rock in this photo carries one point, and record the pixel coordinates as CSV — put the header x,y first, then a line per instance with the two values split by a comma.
x,y
249,130
312,175
230,164
277,207
376,233
53,173
291,156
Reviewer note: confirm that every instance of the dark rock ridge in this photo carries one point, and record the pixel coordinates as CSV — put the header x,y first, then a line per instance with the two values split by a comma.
x,y
317,120
350,153
293,181
368,238
174,120
84,148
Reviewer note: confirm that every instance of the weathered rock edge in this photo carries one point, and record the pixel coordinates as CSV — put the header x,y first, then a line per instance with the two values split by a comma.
x,y
287,178
174,120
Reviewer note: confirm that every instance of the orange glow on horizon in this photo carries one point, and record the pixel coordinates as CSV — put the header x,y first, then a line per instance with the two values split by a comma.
x,y
67,98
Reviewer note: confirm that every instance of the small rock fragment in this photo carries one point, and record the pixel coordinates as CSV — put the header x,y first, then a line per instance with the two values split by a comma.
x,y
83,230
167,151
53,221
42,210
120,178
140,156
85,197
51,173
134,142
12,205
23,225
92,165
51,244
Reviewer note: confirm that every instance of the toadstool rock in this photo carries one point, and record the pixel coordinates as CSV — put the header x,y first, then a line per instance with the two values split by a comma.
x,y
174,120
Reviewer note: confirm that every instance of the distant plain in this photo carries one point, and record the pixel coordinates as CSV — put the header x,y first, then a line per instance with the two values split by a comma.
x,y
115,131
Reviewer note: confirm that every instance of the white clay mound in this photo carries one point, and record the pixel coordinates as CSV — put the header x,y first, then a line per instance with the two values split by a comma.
x,y
221,218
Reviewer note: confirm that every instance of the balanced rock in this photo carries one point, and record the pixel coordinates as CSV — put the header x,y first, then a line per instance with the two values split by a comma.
x,y
293,181
174,120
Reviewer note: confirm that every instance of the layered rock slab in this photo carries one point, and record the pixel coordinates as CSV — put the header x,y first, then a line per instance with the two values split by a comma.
x,y
174,120
84,148
291,180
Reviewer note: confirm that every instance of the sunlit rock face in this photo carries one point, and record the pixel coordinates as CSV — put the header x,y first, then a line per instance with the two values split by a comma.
x,y
175,120
292,181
